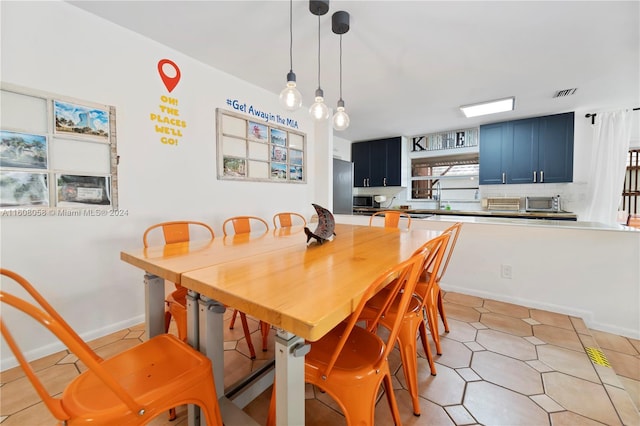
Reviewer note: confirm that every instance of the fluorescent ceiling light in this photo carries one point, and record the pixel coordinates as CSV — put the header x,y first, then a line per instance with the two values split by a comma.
x,y
491,107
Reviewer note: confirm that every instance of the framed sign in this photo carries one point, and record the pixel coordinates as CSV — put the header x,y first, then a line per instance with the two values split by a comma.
x,y
256,151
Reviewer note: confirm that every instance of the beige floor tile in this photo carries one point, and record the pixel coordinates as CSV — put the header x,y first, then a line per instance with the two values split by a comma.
x,y
463,299
567,361
462,312
507,372
454,354
558,336
507,344
614,342
507,309
552,318
624,406
635,343
460,331
506,323
567,418
624,365
633,389
460,415
446,388
546,403
579,325
491,404
580,396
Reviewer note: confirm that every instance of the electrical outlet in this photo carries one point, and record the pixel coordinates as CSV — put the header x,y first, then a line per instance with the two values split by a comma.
x,y
505,271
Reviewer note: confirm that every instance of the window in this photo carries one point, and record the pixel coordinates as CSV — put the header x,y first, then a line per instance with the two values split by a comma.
x,y
56,152
455,174
631,187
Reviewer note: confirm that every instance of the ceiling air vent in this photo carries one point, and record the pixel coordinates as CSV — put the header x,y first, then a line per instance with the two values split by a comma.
x,y
565,92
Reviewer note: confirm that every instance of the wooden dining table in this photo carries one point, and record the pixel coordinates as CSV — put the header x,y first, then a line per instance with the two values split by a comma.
x,y
302,289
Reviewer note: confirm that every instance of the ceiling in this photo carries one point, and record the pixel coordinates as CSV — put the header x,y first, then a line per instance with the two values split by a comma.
x,y
409,65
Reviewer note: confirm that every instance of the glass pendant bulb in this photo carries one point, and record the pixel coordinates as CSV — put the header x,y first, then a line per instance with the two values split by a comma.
x,y
340,118
290,97
319,111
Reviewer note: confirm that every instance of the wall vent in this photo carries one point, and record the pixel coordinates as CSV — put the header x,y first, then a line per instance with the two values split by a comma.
x,y
565,92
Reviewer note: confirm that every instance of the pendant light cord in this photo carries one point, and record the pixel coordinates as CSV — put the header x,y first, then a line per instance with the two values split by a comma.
x,y
318,51
340,66
291,35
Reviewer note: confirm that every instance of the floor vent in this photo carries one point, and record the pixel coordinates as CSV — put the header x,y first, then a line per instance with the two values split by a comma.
x,y
598,357
565,92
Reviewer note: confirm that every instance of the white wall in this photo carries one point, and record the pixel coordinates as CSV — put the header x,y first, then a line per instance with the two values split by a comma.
x,y
75,261
573,268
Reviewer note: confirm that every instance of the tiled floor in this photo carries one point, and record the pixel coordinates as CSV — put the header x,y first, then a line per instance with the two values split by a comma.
x,y
502,364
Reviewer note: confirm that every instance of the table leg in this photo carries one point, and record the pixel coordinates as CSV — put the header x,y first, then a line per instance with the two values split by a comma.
x,y
211,340
154,304
290,350
193,411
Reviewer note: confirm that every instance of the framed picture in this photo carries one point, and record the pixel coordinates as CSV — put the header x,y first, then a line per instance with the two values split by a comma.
x,y
278,171
77,189
23,150
23,189
295,173
278,154
234,167
295,157
258,131
278,137
80,120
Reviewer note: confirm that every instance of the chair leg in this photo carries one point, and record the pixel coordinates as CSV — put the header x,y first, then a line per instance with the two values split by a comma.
x,y
409,355
441,310
271,416
233,319
391,399
425,345
265,328
247,334
167,320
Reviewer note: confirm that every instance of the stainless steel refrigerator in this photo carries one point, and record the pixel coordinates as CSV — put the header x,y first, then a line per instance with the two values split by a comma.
x,y
342,187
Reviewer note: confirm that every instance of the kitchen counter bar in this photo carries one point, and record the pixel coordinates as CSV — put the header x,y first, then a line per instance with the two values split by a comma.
x,y
476,213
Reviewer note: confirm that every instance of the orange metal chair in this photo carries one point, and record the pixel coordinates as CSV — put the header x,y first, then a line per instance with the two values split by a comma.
x,y
132,387
287,219
433,293
411,321
242,225
350,362
391,218
633,220
177,232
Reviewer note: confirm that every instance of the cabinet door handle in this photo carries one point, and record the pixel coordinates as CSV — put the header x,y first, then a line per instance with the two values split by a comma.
x,y
504,177
541,176
384,182
534,177
364,181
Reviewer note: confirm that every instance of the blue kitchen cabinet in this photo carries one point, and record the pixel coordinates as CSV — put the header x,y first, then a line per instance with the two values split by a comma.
x,y
377,162
533,150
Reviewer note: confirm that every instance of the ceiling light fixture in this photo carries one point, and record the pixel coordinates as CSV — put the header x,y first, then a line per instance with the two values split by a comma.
x,y
290,97
490,107
319,110
340,25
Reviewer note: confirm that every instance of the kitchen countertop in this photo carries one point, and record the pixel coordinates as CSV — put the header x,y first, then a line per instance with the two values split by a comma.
x,y
476,213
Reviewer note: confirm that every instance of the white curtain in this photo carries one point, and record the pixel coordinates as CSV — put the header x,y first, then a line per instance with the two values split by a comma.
x,y
611,139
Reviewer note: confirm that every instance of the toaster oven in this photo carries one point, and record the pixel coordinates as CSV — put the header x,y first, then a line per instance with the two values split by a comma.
x,y
542,204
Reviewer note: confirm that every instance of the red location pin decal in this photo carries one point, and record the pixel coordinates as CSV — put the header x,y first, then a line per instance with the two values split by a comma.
x,y
171,78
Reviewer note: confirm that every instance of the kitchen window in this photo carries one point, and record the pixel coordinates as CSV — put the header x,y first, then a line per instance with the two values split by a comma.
x,y
455,175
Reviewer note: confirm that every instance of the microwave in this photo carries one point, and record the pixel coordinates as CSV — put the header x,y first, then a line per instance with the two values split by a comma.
x,y
363,201
542,204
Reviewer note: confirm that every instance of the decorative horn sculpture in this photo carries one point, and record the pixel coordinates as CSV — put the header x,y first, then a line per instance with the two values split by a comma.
x,y
326,225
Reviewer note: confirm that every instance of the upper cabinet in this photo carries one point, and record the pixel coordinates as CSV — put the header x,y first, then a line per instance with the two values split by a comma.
x,y
377,162
533,150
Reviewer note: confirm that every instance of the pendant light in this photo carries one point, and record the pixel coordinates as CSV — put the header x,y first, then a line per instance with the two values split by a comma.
x,y
340,25
319,110
290,97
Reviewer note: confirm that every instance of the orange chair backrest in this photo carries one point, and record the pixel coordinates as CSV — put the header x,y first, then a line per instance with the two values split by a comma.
x,y
286,219
175,231
242,224
48,317
391,218
401,279
454,230
434,251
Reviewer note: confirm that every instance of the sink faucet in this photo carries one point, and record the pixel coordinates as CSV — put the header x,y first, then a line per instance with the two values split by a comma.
x,y
438,195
